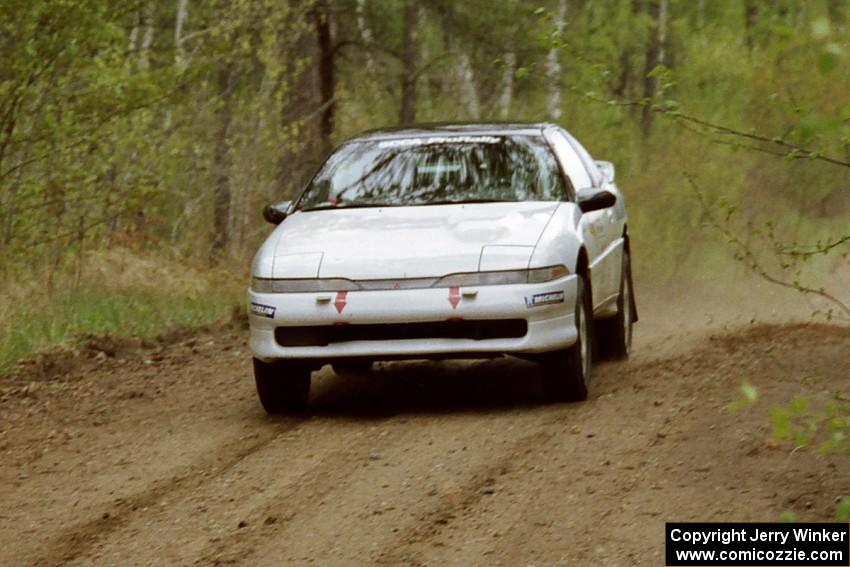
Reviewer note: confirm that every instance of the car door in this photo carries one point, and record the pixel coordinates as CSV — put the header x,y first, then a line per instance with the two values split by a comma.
x,y
613,221
592,224
615,216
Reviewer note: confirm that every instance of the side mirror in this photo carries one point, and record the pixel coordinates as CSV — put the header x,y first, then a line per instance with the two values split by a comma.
x,y
276,212
606,168
593,201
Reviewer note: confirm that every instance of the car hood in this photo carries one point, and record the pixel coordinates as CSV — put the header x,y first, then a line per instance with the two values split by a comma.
x,y
404,242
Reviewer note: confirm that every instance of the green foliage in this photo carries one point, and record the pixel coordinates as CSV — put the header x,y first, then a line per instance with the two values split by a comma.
x,y
827,428
787,517
783,262
749,395
842,512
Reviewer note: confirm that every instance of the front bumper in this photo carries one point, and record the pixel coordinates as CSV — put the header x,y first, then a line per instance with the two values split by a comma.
x,y
548,309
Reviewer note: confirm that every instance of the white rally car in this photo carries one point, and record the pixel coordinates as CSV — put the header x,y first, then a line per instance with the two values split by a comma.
x,y
450,241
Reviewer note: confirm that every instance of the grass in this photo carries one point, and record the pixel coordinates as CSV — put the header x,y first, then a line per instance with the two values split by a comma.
x,y
122,295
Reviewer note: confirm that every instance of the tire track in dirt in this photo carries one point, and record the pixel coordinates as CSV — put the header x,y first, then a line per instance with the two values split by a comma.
x,y
373,500
296,496
488,507
441,515
286,477
78,539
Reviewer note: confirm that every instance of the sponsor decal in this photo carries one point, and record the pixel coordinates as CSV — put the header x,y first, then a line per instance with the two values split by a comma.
x,y
407,142
341,301
547,298
263,310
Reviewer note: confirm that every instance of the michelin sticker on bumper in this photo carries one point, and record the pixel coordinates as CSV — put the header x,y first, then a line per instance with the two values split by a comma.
x,y
263,310
544,299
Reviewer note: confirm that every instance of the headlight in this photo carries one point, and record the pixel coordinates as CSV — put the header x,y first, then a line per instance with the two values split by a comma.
x,y
547,274
265,285
537,275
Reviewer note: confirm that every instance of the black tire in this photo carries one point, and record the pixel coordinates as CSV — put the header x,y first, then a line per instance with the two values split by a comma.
x,y
352,366
615,334
283,386
566,372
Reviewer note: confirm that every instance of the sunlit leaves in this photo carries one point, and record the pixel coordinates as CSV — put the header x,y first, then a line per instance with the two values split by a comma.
x,y
826,427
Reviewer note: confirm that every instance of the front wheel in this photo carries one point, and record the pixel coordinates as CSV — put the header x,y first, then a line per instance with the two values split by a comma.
x,y
283,386
567,372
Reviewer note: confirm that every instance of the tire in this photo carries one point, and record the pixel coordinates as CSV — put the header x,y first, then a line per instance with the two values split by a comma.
x,y
615,334
283,386
567,372
353,366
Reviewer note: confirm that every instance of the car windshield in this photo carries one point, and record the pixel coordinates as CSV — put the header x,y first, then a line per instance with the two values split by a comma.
x,y
436,170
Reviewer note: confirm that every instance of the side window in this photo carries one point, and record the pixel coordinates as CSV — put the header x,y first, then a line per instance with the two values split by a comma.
x,y
589,164
569,160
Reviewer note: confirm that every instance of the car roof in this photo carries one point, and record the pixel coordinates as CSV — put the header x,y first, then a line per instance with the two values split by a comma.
x,y
454,129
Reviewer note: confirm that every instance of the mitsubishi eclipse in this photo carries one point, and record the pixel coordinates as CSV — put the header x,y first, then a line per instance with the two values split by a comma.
x,y
449,241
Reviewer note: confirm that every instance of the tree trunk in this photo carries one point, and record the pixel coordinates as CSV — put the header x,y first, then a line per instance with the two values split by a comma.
x,y
662,31
553,65
327,82
750,16
133,40
222,194
837,10
655,53
407,113
147,38
179,22
366,37
624,79
507,95
468,88
423,79
299,119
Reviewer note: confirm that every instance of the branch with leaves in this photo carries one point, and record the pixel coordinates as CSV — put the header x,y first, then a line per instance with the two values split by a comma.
x,y
744,253
698,125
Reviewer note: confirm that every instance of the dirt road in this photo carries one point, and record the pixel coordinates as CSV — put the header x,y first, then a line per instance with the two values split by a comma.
x,y
164,457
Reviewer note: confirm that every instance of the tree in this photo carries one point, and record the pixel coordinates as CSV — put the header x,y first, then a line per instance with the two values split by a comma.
x,y
553,65
221,200
327,80
409,71
655,52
